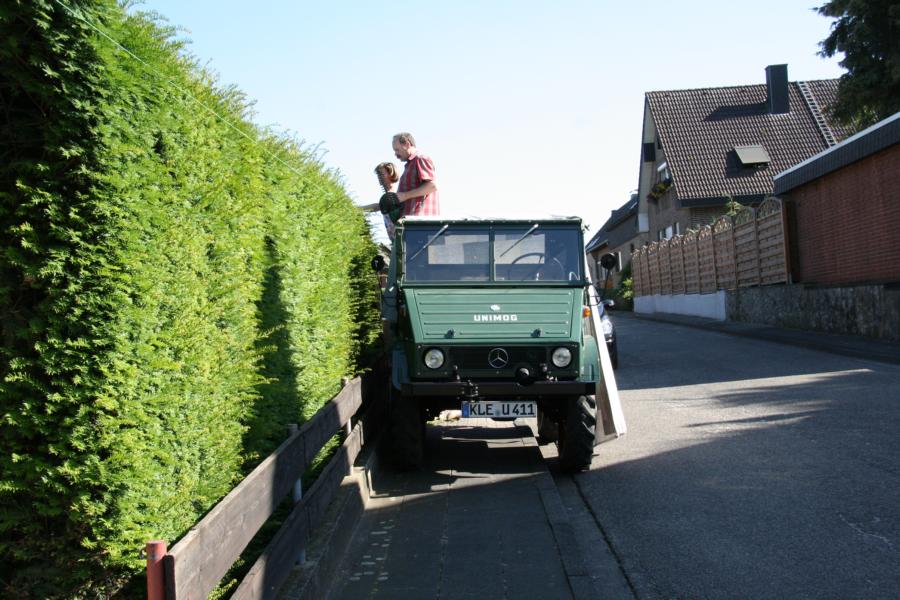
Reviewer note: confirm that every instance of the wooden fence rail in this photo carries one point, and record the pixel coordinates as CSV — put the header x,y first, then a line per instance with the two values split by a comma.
x,y
749,249
196,564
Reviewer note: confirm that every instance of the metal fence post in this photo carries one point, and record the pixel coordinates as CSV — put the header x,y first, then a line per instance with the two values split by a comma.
x,y
156,577
297,492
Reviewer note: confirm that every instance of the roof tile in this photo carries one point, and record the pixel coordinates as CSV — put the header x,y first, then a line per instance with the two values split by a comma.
x,y
699,129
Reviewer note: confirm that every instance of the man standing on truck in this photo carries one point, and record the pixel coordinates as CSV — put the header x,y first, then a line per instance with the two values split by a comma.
x,y
417,192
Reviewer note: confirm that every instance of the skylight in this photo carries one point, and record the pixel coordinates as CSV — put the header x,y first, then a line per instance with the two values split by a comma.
x,y
752,155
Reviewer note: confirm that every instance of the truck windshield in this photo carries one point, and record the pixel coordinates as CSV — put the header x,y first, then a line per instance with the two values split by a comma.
x,y
533,253
537,254
461,254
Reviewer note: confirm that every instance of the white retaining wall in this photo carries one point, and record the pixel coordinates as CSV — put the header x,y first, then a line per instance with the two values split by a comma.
x,y
711,306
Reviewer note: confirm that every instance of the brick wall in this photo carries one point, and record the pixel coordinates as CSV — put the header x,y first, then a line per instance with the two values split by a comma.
x,y
846,225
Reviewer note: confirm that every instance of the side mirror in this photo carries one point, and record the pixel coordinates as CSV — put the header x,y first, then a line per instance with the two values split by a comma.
x,y
608,261
608,303
378,263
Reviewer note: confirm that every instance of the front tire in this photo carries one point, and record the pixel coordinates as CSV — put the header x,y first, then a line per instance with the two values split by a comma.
x,y
576,434
407,431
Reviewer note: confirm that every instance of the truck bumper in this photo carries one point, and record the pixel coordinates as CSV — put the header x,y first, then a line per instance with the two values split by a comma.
x,y
510,390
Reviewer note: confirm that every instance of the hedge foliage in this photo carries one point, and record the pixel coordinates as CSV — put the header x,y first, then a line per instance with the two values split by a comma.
x,y
175,287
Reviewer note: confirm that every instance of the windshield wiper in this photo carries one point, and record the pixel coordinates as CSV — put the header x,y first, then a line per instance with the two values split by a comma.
x,y
527,233
428,243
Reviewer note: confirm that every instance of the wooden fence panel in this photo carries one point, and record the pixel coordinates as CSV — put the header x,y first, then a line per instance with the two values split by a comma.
x,y
273,567
196,564
637,273
665,268
771,241
690,251
645,262
653,262
707,259
723,239
746,251
676,259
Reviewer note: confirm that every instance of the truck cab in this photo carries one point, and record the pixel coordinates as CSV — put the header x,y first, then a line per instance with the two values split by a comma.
x,y
492,317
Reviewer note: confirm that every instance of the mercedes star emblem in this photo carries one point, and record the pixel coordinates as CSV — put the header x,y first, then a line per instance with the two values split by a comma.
x,y
498,358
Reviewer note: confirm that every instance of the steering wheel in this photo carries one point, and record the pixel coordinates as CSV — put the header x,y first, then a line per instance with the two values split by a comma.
x,y
541,257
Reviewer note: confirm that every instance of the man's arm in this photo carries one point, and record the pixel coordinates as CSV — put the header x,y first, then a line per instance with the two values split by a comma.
x,y
426,188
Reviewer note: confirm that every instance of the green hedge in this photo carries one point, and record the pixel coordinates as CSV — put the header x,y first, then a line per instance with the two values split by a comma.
x,y
175,287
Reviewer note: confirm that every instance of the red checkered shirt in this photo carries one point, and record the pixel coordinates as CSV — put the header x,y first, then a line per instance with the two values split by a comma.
x,y
418,170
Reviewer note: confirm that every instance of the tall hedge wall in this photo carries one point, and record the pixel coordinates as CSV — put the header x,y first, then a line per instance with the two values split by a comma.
x,y
175,287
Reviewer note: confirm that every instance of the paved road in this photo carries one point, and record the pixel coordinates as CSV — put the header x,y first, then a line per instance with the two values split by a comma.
x,y
482,519
750,469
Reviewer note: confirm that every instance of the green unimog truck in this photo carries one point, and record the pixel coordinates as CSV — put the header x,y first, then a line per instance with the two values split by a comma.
x,y
496,318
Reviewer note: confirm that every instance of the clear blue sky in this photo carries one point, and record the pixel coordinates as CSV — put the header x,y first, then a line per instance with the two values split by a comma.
x,y
526,107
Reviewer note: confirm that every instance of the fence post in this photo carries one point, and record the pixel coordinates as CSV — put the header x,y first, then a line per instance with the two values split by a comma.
x,y
156,575
297,492
348,426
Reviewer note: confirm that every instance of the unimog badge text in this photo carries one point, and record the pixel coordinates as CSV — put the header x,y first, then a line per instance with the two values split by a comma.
x,y
489,318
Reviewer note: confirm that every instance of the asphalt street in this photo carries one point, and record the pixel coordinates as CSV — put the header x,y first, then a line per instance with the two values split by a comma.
x,y
751,469
481,519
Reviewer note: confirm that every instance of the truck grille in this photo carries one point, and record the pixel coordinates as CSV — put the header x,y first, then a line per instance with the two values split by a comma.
x,y
477,358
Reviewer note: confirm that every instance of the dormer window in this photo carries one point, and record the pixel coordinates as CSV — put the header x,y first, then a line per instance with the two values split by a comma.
x,y
753,155
662,174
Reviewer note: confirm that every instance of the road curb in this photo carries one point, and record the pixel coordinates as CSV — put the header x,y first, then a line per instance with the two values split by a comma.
x,y
573,560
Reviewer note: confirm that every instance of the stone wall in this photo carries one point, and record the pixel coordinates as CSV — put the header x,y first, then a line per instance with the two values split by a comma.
x,y
867,310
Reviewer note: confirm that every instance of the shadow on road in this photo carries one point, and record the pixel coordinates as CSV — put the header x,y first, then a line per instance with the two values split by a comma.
x,y
751,470
469,524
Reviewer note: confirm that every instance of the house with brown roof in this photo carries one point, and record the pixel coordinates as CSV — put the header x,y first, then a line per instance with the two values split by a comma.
x,y
703,147
619,236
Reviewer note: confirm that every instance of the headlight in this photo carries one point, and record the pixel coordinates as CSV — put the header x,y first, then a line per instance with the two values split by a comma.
x,y
607,327
561,357
434,359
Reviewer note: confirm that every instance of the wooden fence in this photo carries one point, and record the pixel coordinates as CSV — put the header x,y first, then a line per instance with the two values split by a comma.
x,y
196,564
749,249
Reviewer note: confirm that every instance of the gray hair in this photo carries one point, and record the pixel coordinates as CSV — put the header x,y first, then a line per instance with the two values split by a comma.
x,y
405,138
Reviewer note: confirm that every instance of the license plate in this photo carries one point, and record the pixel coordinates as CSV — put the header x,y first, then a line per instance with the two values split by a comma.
x,y
499,408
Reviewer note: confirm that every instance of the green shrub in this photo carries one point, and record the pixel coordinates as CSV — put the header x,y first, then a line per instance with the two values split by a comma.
x,y
175,287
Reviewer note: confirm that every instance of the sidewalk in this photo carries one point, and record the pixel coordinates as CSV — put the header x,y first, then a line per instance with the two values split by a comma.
x,y
844,345
481,519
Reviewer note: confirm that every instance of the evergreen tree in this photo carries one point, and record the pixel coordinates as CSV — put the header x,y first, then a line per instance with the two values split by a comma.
x,y
867,32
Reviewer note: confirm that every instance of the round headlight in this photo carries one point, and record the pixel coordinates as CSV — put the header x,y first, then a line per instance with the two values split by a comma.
x,y
434,359
561,357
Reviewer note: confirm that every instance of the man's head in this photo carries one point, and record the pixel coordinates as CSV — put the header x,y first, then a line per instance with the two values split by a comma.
x,y
404,146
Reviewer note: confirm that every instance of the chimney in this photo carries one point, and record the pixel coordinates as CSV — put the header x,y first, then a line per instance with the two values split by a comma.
x,y
778,100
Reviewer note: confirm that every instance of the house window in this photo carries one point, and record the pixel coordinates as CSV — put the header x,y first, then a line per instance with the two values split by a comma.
x,y
662,173
668,232
677,228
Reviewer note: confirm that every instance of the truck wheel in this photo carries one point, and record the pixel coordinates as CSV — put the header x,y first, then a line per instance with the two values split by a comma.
x,y
407,431
547,428
576,434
